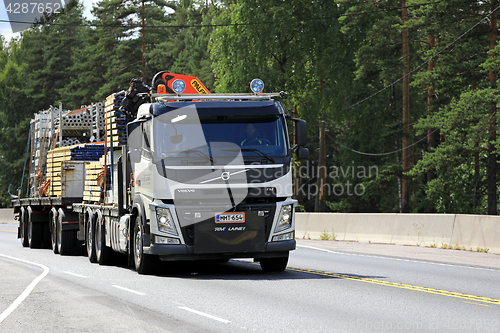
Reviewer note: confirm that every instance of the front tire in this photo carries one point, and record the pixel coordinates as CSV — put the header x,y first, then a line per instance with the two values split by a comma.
x,y
142,261
274,264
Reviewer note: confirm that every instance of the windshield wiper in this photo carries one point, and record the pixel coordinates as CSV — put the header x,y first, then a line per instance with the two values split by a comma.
x,y
199,152
255,150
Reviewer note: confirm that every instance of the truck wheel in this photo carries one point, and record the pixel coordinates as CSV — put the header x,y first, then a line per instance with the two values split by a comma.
x,y
103,252
23,226
65,238
274,264
142,261
46,242
34,233
54,234
89,241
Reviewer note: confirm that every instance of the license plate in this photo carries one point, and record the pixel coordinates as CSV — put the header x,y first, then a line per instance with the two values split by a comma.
x,y
230,218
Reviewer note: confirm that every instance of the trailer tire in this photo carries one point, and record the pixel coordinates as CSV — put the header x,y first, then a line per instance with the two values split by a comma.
x,y
46,242
34,233
143,262
89,239
54,234
274,264
23,226
103,253
65,238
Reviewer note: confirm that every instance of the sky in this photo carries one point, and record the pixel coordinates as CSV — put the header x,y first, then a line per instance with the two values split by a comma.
x,y
6,30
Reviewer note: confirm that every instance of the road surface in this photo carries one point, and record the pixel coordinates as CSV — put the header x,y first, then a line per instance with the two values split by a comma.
x,y
328,287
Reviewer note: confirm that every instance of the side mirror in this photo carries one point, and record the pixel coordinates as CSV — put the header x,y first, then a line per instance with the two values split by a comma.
x,y
176,139
301,132
302,153
134,136
134,156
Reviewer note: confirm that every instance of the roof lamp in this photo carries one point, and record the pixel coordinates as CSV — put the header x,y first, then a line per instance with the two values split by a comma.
x,y
179,118
178,86
257,86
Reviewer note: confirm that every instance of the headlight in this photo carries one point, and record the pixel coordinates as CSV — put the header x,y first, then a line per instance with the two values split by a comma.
x,y
285,218
165,221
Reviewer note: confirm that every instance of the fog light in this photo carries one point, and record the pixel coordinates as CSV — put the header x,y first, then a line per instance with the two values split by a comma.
x,y
283,237
166,240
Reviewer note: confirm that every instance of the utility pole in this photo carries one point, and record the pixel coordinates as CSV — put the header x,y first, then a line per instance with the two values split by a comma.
x,y
492,163
431,135
296,168
321,176
143,35
406,115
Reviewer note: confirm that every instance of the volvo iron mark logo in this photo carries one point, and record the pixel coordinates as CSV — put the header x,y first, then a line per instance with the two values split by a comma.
x,y
225,175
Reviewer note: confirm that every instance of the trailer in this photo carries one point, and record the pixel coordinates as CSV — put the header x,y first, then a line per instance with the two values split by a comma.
x,y
183,175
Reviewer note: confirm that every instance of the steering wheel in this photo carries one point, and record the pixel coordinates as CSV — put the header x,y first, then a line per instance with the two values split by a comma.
x,y
256,142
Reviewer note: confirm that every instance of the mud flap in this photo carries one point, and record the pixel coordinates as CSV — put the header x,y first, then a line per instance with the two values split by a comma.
x,y
211,236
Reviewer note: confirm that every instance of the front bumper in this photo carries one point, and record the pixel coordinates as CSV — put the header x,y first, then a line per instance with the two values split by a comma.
x,y
187,252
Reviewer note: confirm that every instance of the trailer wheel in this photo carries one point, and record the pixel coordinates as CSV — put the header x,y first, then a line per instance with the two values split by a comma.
x,y
54,234
65,238
274,264
142,261
34,233
103,252
23,226
89,240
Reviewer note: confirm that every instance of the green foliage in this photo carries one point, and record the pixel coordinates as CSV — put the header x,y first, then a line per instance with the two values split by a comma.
x,y
342,61
182,48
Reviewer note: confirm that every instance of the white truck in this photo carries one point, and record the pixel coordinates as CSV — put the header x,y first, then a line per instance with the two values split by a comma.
x,y
185,175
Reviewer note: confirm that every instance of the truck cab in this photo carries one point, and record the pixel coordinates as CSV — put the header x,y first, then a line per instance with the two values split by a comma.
x,y
212,176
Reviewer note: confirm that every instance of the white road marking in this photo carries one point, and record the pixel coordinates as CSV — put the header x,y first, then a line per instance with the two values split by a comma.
x,y
74,274
205,314
399,259
26,291
129,290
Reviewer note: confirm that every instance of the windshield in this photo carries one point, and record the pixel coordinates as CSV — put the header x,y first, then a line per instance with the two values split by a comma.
x,y
212,136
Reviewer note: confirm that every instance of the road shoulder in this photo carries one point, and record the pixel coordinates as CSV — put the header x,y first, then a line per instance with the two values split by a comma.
x,y
456,257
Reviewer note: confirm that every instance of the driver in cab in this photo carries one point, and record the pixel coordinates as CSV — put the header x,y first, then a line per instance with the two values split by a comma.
x,y
251,137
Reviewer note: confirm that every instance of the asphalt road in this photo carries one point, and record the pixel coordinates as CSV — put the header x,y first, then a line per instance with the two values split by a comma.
x,y
328,287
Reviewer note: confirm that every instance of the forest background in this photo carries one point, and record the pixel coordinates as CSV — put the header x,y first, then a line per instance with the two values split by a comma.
x,y
400,96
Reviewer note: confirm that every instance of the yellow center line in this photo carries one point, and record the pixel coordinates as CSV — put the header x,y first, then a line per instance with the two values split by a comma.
x,y
8,230
477,303
400,285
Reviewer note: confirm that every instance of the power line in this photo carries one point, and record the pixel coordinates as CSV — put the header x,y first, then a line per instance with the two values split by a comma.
x,y
422,64
215,25
378,92
383,154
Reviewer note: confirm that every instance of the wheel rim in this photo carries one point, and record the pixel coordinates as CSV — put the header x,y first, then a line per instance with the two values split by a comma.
x,y
22,227
30,231
54,233
89,237
137,244
59,233
98,244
